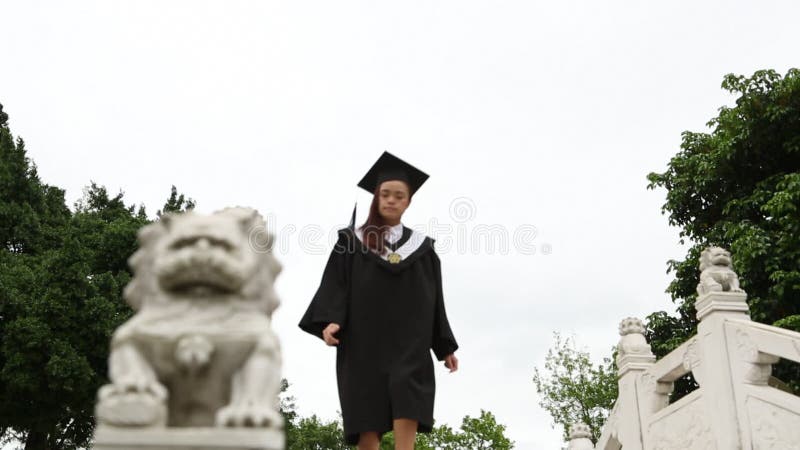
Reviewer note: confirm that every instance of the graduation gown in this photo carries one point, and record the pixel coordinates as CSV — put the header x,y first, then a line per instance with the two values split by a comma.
x,y
391,317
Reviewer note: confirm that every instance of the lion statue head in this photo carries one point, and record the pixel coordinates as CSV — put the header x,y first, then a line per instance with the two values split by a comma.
x,y
225,256
715,256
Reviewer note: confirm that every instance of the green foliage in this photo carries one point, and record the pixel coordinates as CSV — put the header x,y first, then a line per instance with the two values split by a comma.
x,y
573,389
482,432
3,117
313,433
288,407
478,433
176,203
31,213
308,433
738,187
790,323
61,280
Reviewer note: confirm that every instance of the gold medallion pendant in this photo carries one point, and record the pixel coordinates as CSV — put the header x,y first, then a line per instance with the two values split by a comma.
x,y
394,258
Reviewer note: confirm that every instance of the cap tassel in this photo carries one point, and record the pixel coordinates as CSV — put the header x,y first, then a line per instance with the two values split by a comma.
x,y
352,225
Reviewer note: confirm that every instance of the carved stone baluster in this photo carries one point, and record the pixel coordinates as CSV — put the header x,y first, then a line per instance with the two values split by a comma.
x,y
580,437
634,357
720,300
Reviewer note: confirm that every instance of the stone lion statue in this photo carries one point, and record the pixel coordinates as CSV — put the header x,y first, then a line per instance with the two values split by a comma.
x,y
200,350
716,272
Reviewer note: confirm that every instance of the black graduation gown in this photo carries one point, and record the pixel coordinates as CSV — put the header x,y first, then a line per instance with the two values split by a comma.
x,y
391,316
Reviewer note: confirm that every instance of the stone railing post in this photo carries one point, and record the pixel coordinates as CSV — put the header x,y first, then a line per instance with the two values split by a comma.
x,y
580,437
719,298
624,425
633,358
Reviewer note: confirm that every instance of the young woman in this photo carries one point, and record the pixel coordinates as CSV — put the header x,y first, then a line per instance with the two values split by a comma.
x,y
380,303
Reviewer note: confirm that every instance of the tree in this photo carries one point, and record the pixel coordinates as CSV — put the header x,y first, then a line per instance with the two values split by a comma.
x,y
176,202
480,433
313,433
738,187
61,280
573,389
30,212
308,433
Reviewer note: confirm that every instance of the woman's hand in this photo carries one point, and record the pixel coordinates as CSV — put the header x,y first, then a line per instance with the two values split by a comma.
x,y
328,332
451,362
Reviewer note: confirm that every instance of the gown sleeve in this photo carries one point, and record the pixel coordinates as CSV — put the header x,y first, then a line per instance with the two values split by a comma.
x,y
444,343
329,304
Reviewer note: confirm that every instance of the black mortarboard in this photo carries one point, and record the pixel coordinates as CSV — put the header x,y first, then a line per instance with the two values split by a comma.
x,y
390,167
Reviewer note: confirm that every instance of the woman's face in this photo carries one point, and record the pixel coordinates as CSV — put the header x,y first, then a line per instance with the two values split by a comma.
x,y
393,199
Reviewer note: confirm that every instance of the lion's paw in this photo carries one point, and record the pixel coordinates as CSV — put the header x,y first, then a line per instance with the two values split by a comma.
x,y
132,401
249,415
132,383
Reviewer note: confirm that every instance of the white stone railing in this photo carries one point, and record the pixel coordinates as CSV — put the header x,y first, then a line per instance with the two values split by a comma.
x,y
736,407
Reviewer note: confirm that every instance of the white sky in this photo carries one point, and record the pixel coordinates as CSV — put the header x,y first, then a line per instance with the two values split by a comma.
x,y
545,114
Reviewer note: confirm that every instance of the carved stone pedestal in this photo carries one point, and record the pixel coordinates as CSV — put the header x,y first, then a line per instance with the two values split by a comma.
x,y
112,438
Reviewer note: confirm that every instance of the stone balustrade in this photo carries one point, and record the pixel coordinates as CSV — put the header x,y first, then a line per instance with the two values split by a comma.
x,y
737,405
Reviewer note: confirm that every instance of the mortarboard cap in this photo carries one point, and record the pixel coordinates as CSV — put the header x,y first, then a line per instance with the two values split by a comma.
x,y
390,167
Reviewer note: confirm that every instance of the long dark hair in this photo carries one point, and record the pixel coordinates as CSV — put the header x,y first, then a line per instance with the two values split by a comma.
x,y
374,229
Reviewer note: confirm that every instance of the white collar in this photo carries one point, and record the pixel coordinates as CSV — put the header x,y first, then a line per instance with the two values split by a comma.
x,y
405,250
410,246
395,232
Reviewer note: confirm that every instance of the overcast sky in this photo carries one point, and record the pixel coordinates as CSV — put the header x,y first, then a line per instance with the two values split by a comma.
x,y
527,115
